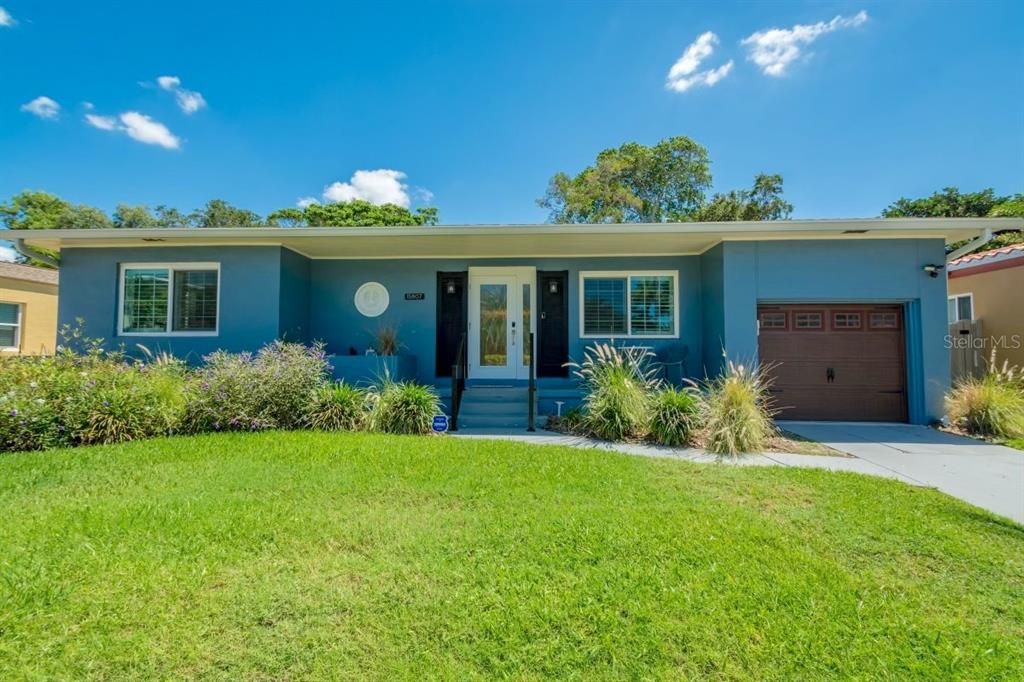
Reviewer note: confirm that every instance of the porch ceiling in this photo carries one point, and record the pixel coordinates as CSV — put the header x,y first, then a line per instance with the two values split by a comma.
x,y
505,241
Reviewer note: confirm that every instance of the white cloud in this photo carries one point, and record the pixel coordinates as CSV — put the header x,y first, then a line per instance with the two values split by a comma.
x,y
144,129
5,18
7,253
382,186
775,49
101,122
189,101
43,107
306,201
684,73
135,125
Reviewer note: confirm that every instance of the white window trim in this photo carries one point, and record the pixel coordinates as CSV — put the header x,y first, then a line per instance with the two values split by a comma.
x,y
956,305
170,267
17,326
628,275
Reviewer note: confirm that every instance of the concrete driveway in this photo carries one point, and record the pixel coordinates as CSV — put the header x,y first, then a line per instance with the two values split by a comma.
x,y
989,476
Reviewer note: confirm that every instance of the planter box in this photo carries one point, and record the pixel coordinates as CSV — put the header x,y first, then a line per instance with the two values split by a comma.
x,y
367,369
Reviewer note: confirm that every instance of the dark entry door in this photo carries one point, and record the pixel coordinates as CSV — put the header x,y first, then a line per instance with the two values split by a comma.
x,y
553,341
835,361
452,292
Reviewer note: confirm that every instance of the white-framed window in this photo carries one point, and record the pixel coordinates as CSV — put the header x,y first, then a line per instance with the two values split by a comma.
x,y
960,308
630,304
169,299
10,326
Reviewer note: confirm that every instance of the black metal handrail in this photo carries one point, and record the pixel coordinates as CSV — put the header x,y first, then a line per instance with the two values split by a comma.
x,y
458,382
532,392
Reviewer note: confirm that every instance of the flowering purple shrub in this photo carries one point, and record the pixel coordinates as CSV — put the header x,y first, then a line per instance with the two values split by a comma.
x,y
271,389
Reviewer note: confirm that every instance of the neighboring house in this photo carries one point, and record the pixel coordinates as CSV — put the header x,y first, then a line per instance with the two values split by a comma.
x,y
28,309
988,287
850,312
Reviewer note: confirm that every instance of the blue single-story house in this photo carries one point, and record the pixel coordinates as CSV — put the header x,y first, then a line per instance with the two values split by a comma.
x,y
852,313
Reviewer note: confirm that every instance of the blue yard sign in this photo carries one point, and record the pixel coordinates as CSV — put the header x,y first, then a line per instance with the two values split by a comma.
x,y
440,424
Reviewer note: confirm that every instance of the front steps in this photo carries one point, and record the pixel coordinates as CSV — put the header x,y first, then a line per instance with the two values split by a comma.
x,y
494,408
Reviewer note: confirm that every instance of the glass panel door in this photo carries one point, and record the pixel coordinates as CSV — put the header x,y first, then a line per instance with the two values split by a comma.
x,y
500,320
526,327
493,325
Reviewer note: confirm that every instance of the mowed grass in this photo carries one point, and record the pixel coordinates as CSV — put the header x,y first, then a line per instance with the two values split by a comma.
x,y
296,555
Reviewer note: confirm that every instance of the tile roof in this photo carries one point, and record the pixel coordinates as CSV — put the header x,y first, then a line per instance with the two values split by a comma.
x,y
1003,253
28,273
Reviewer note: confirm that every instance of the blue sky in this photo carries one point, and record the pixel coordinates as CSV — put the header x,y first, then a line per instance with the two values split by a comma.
x,y
479,103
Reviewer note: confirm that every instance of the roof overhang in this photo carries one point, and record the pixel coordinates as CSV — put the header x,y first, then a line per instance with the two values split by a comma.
x,y
506,241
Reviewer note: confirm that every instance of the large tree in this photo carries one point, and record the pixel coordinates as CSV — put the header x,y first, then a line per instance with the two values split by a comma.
x,y
219,213
633,183
762,202
667,182
951,203
126,216
32,210
354,213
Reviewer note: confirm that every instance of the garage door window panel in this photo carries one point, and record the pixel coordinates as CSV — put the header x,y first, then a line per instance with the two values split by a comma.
x,y
773,321
805,320
847,321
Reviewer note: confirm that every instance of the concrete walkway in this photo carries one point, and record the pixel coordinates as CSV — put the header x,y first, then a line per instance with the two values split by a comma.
x,y
989,476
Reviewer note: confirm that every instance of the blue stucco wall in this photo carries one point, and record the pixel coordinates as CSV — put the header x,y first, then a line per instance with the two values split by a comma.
x,y
333,317
877,271
250,283
712,264
294,297
268,292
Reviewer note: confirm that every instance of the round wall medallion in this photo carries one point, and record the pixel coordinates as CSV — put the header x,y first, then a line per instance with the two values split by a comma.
x,y
372,299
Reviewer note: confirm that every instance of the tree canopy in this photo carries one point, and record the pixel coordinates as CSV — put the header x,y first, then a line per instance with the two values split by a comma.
x,y
666,182
952,203
763,201
32,210
356,213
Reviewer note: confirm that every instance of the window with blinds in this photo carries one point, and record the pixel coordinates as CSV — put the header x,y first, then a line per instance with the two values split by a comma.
x,y
169,299
615,304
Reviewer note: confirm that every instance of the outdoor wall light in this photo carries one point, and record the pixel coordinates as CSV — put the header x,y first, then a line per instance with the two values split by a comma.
x,y
933,270
553,286
450,286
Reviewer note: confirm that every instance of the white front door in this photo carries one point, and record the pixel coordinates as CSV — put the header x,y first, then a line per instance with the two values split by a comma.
x,y
500,320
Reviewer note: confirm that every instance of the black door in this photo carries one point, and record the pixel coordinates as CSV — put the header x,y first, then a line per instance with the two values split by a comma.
x,y
452,312
553,343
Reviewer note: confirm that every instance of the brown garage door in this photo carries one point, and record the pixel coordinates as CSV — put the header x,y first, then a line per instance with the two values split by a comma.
x,y
843,362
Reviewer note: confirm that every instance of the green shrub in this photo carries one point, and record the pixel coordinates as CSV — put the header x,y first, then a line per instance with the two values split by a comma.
x,y
737,410
97,397
618,383
987,407
247,392
337,407
403,407
674,415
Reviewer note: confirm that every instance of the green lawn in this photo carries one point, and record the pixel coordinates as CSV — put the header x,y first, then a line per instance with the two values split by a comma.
x,y
279,556
1016,443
